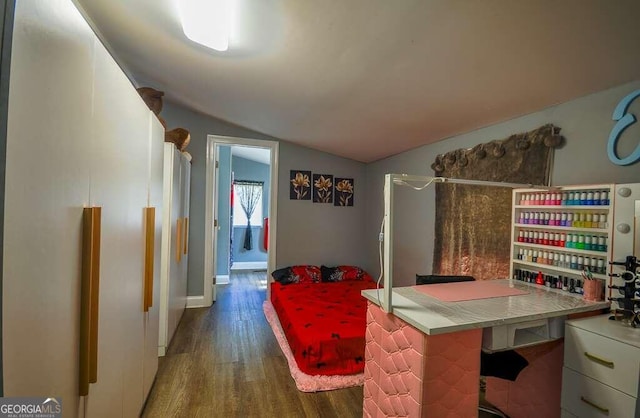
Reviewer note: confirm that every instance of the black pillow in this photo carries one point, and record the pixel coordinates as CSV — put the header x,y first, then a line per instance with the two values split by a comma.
x,y
331,274
283,275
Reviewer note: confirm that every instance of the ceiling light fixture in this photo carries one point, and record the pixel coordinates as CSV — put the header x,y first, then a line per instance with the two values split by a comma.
x,y
207,22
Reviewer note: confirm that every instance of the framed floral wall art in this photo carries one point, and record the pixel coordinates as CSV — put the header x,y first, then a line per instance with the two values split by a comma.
x,y
344,192
323,188
299,185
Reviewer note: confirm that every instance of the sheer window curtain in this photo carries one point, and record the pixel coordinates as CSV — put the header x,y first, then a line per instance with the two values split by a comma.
x,y
249,193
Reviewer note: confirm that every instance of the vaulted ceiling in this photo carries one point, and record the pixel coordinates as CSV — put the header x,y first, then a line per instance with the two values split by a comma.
x,y
366,79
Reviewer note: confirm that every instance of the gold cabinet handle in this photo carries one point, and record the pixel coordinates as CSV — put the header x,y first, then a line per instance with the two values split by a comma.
x,y
149,250
186,236
90,297
178,239
594,405
599,360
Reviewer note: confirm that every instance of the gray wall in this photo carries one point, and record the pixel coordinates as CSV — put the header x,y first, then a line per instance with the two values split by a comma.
x,y
199,126
308,233
320,233
585,124
244,169
224,210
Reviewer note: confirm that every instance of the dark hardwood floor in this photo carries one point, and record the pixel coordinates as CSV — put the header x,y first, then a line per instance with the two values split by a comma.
x,y
225,362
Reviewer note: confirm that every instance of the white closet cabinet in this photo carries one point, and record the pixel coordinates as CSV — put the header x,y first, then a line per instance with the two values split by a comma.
x,y
78,136
173,286
155,200
47,186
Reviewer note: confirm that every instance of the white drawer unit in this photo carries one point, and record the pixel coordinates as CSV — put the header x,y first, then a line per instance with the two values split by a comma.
x,y
601,368
566,414
588,398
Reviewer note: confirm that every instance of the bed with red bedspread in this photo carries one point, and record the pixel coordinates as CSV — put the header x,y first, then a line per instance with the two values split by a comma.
x,y
324,321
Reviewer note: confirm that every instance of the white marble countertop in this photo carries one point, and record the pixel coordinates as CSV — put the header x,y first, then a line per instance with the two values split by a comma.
x,y
433,316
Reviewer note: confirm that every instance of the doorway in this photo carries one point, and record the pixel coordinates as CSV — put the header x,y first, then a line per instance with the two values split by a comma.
x,y
235,167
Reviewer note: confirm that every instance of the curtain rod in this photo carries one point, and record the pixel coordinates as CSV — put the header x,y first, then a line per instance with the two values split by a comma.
x,y
404,179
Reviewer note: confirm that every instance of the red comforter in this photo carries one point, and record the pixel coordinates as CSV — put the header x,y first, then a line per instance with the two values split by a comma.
x,y
324,324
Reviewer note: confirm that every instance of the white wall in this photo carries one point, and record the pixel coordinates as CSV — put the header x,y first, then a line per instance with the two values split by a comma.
x,y
585,124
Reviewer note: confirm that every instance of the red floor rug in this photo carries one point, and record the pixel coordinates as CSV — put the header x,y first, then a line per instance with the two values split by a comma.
x,y
306,382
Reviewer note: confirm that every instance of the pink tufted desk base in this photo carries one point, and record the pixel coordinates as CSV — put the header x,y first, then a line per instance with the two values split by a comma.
x,y
411,374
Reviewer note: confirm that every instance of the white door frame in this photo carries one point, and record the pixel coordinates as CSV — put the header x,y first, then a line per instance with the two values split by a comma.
x,y
211,208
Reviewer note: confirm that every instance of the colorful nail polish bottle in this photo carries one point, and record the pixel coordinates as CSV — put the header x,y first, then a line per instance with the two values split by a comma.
x,y
588,220
574,262
595,222
603,221
602,243
580,244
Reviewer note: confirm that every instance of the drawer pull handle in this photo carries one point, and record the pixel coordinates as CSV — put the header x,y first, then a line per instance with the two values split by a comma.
x,y
599,360
598,407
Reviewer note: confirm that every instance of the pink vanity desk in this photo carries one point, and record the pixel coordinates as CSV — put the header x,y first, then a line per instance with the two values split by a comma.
x,y
423,360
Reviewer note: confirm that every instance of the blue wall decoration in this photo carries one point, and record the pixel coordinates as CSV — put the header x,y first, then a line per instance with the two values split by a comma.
x,y
624,120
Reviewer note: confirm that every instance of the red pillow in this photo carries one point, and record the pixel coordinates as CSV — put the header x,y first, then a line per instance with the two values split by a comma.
x,y
306,274
354,273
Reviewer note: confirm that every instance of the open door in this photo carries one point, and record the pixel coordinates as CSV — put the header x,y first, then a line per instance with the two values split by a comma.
x,y
214,218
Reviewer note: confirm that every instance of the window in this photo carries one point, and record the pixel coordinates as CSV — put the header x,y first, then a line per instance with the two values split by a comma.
x,y
253,189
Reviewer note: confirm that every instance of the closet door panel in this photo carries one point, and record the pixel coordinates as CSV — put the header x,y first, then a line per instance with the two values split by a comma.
x,y
186,184
156,152
169,263
177,293
47,185
119,185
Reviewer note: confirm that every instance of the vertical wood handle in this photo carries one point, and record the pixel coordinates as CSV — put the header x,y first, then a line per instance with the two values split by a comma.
x,y
95,293
179,240
149,253
90,296
186,236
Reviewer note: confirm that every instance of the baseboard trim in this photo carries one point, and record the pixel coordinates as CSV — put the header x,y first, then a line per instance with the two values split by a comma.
x,y
162,350
196,302
222,279
249,265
